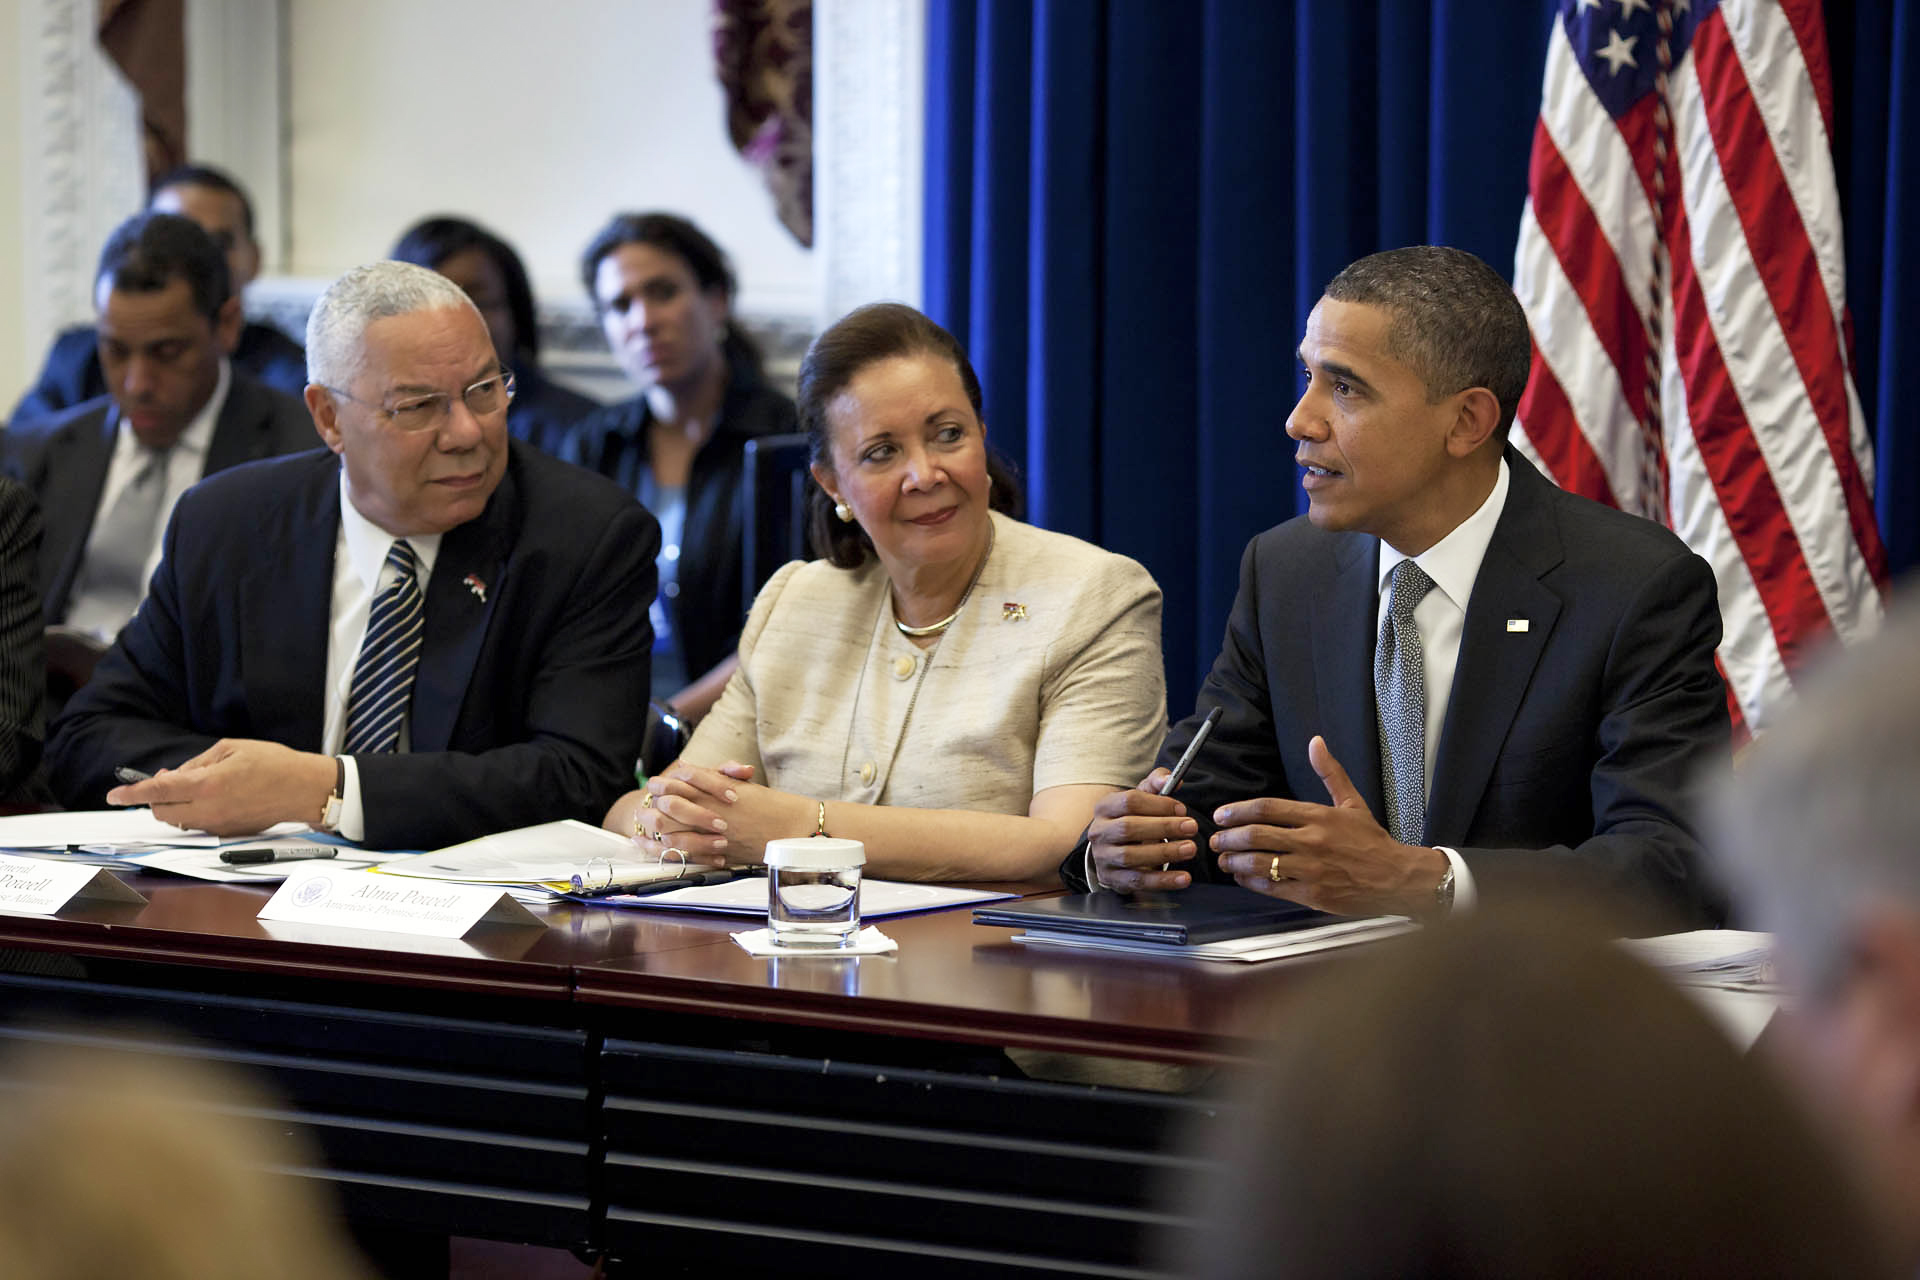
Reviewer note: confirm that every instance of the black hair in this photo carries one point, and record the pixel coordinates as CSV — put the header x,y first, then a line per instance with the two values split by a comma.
x,y
200,175
1454,320
431,241
865,336
149,251
674,234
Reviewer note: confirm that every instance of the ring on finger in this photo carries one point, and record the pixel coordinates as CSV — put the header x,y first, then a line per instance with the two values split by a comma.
x,y
646,799
1273,869
679,855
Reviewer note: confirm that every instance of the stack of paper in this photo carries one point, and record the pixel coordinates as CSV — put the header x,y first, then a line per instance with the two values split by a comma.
x,y
1709,957
544,857
1247,950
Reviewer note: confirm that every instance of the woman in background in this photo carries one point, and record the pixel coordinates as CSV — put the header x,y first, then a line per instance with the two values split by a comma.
x,y
664,293
488,270
949,685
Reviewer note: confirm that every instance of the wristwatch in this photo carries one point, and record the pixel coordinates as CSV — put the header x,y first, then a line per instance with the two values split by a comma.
x,y
330,812
1443,892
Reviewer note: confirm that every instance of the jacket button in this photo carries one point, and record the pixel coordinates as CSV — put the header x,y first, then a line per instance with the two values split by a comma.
x,y
866,774
902,667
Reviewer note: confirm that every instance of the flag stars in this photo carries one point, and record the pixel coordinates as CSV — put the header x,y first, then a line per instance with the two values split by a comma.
x,y
1629,7
1618,51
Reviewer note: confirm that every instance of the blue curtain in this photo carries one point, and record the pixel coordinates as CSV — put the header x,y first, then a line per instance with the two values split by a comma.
x,y
1132,205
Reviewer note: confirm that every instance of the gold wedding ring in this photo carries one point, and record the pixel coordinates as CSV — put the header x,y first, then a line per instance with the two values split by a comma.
x,y
646,799
1273,869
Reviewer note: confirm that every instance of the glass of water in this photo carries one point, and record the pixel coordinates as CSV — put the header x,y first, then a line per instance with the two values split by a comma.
x,y
813,890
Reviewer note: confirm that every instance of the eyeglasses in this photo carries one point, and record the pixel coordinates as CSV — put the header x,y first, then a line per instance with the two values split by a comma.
x,y
429,412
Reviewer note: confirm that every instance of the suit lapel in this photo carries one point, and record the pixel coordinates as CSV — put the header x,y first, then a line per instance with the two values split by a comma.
x,y
1496,662
76,474
468,576
1343,668
287,614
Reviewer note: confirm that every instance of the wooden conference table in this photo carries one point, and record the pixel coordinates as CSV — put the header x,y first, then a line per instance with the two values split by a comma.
x,y
632,1081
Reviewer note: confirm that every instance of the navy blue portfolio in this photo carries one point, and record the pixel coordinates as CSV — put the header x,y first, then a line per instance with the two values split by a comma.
x,y
1199,913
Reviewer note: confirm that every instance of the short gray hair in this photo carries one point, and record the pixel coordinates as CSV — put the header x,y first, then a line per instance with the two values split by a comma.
x,y
1820,819
337,326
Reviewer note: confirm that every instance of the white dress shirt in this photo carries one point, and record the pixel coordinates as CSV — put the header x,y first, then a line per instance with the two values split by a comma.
x,y
1441,616
184,465
360,572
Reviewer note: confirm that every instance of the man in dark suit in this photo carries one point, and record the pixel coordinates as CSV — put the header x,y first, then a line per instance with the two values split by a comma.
x,y
430,636
73,374
1449,670
107,472
23,664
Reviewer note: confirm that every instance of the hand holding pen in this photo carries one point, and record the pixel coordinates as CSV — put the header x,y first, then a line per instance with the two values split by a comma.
x,y
1138,836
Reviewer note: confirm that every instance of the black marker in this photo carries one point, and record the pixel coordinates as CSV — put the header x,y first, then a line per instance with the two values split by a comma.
x,y
130,775
277,853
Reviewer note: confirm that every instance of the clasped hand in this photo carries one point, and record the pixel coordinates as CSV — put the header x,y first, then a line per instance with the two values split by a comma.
x,y
1334,857
714,816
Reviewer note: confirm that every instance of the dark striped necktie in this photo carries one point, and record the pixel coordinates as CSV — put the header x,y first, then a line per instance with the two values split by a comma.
x,y
383,680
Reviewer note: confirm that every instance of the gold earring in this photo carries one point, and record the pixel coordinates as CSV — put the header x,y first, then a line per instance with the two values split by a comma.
x,y
844,511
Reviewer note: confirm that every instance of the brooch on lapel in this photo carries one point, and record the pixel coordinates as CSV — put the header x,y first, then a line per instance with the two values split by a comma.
x,y
1012,612
476,586
1516,624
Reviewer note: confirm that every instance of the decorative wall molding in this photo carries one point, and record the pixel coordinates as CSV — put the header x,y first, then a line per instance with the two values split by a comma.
x,y
82,162
869,128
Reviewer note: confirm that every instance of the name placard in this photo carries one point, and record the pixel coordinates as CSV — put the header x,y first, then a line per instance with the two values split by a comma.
x,y
41,887
393,904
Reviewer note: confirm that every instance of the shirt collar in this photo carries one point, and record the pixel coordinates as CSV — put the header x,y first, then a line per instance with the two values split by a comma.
x,y
1454,562
368,543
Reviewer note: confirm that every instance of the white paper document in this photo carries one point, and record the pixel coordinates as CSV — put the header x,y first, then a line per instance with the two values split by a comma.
x,y
549,854
1717,956
101,827
205,864
1249,950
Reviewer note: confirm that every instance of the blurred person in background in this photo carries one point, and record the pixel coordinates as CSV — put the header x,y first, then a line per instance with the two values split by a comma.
x,y
1513,1096
155,1169
664,293
491,273
73,372
1817,831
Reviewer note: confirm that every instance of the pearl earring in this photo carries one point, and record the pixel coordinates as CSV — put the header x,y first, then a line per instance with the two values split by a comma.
x,y
844,511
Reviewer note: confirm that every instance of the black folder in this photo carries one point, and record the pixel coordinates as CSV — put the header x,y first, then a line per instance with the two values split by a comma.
x,y
1199,913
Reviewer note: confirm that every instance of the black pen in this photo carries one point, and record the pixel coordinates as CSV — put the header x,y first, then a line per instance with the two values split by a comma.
x,y
1179,773
276,853
130,775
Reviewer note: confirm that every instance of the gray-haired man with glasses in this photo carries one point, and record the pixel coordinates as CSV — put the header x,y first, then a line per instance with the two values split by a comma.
x,y
425,634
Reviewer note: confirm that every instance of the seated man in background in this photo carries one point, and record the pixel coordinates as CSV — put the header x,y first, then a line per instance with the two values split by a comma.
x,y
73,373
1818,833
106,473
23,664
434,635
1449,667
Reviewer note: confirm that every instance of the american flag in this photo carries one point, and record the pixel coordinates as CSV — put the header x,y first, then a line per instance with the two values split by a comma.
x,y
1680,261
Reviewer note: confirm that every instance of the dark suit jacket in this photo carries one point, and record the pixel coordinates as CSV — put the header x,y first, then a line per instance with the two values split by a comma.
x,y
1574,740
708,611
64,461
528,705
23,662
543,411
72,375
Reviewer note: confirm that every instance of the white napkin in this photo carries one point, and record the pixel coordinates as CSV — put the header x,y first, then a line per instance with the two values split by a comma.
x,y
868,942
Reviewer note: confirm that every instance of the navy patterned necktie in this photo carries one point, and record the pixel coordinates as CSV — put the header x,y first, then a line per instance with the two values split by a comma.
x,y
1400,704
383,679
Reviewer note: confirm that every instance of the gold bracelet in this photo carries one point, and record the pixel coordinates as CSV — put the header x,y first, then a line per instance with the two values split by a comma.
x,y
820,819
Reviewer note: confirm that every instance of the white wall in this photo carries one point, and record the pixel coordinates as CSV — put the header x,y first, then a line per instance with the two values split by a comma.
x,y
538,119
13,202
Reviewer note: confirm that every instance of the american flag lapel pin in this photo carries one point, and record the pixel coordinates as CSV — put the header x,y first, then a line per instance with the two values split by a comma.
x,y
1516,624
1011,611
479,588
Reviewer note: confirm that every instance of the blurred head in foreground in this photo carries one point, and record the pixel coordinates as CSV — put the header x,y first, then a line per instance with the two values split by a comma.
x,y
1818,834
1516,1098
112,1167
